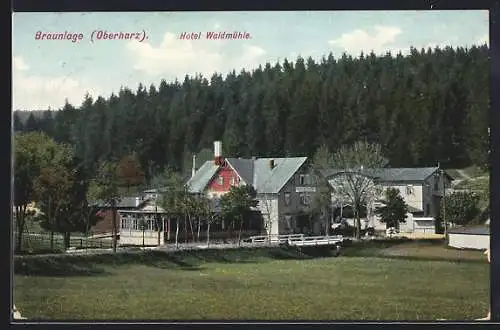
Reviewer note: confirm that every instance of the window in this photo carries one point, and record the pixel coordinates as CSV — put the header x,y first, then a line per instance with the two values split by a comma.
x,y
304,199
221,180
409,190
233,181
436,184
288,198
303,179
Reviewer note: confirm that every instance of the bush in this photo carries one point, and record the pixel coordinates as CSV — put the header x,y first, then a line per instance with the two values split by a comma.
x,y
348,231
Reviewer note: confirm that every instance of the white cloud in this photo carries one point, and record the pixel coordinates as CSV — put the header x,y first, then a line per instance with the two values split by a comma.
x,y
19,64
32,92
175,57
383,40
360,40
450,41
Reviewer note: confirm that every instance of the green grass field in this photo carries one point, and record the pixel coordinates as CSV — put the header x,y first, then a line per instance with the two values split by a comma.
x,y
373,283
471,171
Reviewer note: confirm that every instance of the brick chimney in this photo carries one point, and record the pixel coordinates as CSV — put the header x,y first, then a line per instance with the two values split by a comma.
x,y
218,152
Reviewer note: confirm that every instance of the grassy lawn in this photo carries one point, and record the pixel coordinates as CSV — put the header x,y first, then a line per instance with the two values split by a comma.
x,y
475,171
282,284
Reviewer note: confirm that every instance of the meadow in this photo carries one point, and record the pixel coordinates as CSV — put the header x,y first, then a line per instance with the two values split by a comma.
x,y
379,281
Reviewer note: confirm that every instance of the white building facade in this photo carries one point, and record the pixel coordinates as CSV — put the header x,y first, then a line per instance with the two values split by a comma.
x,y
421,188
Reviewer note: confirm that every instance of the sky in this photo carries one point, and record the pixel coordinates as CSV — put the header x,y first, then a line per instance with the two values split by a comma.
x,y
46,72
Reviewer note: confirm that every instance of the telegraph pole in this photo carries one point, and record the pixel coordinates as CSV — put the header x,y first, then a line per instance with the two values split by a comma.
x,y
444,204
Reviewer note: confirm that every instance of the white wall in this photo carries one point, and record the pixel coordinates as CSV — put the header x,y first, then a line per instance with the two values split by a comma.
x,y
412,224
463,241
415,199
268,206
134,237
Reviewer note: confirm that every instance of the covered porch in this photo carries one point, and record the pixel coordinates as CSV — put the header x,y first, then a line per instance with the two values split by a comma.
x,y
144,227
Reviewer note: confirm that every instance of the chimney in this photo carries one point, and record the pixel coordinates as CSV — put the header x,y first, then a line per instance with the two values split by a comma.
x,y
271,164
193,170
218,152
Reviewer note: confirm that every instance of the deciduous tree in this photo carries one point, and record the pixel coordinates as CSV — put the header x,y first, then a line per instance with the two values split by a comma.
x,y
237,204
355,181
174,199
105,188
32,152
129,172
461,207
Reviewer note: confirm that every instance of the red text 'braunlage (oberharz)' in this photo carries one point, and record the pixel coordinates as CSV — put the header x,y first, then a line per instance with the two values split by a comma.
x,y
232,35
94,36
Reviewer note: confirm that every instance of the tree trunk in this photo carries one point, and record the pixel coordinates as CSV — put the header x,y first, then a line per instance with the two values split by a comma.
x,y
241,230
199,229
208,234
190,220
67,240
231,226
327,223
143,234
159,227
168,229
185,229
311,224
52,240
20,220
358,225
177,233
19,241
51,222
115,233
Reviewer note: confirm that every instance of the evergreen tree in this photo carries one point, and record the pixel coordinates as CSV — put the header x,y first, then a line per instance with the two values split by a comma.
x,y
429,106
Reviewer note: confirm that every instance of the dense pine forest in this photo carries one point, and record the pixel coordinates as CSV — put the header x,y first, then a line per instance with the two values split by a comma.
x,y
430,106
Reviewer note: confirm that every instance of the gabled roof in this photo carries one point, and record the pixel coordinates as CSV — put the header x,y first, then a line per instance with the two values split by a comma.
x,y
202,177
415,174
125,202
271,181
255,172
243,167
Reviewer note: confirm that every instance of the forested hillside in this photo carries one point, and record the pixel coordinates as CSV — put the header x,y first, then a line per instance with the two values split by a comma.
x,y
423,108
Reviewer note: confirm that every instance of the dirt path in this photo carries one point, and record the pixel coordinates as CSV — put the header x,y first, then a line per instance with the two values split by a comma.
x,y
464,174
424,250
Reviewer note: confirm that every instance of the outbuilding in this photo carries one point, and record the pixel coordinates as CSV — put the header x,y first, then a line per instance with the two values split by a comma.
x,y
477,238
